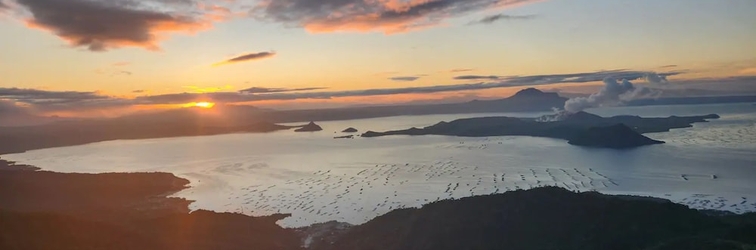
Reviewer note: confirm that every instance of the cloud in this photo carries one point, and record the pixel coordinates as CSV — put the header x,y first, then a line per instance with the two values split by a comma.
x,y
3,5
113,71
247,57
460,70
502,82
668,66
501,17
199,89
47,101
8,108
35,96
100,25
262,90
387,16
404,78
138,91
121,64
610,94
587,77
475,77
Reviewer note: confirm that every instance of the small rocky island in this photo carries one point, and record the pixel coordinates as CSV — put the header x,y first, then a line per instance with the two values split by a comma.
x,y
349,130
310,127
581,128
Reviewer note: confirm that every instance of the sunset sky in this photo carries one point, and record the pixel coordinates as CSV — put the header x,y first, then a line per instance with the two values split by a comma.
x,y
72,56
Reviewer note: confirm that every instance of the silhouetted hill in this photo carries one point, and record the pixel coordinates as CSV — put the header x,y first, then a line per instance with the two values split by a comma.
x,y
541,218
47,210
617,136
349,130
310,127
572,127
583,116
131,211
20,139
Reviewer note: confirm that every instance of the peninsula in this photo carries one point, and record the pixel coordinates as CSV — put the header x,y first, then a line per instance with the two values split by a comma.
x,y
580,128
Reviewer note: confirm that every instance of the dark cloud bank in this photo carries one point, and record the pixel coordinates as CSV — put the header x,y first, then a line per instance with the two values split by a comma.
x,y
369,15
99,25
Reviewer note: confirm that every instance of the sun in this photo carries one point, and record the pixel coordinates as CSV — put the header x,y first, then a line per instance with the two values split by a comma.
x,y
204,105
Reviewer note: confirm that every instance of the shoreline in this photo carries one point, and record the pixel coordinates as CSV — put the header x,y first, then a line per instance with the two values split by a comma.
x,y
131,211
170,199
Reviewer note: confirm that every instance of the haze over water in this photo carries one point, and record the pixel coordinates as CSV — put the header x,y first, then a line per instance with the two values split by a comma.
x,y
317,178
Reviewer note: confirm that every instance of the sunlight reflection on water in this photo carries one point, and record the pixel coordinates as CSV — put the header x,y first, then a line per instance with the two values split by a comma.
x,y
317,178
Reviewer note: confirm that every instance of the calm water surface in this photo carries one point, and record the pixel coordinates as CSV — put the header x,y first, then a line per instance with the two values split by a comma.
x,y
317,178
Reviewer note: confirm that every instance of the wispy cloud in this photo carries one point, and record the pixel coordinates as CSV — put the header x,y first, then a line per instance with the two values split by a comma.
x,y
262,90
113,70
35,96
501,17
475,77
198,89
404,78
247,57
501,82
74,100
386,16
460,70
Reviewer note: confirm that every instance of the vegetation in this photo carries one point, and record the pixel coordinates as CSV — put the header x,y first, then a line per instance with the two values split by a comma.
x,y
46,210
549,218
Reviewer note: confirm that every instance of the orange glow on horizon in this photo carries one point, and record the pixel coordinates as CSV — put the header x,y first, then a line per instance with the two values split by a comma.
x,y
204,105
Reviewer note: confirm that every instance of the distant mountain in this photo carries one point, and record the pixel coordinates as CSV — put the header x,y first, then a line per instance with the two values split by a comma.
x,y
12,116
527,100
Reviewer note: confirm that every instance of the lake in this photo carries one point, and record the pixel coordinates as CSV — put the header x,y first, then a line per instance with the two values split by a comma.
x,y
317,178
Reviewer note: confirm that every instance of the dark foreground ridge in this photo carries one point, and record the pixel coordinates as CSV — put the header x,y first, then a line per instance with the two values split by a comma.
x,y
581,128
46,210
550,218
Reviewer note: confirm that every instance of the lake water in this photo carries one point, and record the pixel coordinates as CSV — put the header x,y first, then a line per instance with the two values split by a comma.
x,y
317,178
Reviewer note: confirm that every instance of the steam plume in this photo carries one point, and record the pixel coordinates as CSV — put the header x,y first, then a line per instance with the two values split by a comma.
x,y
609,94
